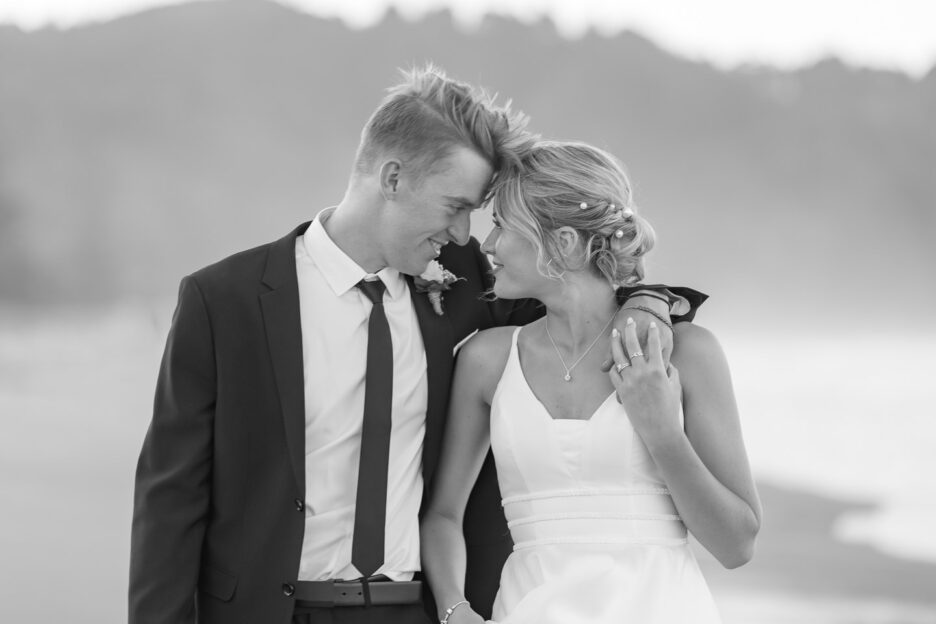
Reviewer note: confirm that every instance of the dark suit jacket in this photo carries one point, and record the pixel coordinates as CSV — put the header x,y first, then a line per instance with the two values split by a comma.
x,y
218,514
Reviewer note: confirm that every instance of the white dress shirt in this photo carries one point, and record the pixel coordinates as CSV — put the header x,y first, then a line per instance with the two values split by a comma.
x,y
334,316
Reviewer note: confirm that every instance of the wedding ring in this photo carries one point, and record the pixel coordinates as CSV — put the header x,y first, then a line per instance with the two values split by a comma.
x,y
637,354
621,367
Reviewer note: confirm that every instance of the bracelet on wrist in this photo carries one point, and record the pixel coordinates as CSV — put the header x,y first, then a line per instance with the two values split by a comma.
x,y
451,610
651,312
649,293
623,293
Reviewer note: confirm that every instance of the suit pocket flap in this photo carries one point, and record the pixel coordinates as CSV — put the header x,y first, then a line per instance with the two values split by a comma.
x,y
216,583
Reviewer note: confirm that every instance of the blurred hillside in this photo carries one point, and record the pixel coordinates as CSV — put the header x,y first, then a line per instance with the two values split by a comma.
x,y
135,151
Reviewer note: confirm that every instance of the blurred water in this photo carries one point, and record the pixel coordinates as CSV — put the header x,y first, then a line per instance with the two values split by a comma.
x,y
75,395
850,416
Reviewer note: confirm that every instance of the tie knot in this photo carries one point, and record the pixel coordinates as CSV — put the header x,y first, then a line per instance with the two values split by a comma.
x,y
373,290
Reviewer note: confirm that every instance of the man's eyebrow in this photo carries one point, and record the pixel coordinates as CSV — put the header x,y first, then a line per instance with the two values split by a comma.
x,y
462,200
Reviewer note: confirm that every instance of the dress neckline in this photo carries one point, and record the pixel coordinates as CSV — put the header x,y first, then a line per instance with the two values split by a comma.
x,y
515,356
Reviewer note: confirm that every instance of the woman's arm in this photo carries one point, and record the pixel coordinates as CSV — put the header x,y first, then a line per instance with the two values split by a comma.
x,y
704,462
467,439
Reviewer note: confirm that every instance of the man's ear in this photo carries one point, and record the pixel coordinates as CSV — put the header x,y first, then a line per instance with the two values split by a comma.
x,y
390,179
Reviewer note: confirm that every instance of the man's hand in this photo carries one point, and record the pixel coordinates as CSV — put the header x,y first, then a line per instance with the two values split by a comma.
x,y
643,320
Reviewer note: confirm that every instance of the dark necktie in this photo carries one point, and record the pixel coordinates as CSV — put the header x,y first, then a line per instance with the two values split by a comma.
x,y
367,550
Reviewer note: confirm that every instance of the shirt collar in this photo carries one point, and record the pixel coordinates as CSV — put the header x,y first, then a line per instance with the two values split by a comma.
x,y
339,270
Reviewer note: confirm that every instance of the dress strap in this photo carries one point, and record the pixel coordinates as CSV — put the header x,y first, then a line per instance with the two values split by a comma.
x,y
513,358
511,368
513,339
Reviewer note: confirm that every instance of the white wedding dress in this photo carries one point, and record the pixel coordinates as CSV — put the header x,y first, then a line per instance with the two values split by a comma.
x,y
596,536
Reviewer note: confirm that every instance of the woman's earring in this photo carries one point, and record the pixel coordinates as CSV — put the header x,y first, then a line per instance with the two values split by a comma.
x,y
548,271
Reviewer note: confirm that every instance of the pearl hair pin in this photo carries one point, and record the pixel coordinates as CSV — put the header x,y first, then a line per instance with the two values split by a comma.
x,y
627,213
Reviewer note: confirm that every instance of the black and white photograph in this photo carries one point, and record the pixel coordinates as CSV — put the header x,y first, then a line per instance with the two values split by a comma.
x,y
467,311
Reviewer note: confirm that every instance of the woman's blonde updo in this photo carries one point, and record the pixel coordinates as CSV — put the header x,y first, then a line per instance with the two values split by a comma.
x,y
576,185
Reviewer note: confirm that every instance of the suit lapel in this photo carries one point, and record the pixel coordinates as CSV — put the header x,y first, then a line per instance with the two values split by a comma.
x,y
280,306
438,341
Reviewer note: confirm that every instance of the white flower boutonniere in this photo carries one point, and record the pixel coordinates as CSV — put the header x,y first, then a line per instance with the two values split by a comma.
x,y
433,281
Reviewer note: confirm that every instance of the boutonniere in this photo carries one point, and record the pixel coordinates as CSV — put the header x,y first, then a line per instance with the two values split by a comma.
x,y
433,281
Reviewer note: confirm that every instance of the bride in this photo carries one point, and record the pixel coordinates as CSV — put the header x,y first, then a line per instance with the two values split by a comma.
x,y
602,474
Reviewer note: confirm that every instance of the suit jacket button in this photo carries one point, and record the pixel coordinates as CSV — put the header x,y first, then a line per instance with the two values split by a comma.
x,y
288,589
300,506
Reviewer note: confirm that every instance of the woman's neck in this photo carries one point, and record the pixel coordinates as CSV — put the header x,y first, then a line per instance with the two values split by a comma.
x,y
578,311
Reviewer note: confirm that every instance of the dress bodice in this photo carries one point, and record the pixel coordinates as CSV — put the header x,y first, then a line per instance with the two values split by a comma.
x,y
597,538
556,474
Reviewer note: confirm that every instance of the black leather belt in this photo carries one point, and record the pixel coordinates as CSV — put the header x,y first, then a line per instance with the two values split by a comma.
x,y
377,590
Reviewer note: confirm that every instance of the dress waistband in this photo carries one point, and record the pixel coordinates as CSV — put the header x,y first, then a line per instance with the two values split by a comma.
x,y
613,516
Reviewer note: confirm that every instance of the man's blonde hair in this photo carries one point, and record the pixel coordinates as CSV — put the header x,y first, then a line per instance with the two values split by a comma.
x,y
425,117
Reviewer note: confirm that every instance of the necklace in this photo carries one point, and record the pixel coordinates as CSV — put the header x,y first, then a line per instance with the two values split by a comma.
x,y
568,369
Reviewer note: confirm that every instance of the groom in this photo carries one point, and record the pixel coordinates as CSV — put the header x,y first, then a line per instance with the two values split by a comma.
x,y
302,394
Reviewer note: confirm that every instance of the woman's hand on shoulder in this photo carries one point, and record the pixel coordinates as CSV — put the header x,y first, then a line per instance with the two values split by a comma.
x,y
646,386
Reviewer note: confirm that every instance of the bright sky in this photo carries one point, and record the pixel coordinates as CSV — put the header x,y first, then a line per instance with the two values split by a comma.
x,y
895,34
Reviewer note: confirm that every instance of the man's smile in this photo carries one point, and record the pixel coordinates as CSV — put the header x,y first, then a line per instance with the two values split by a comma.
x,y
437,245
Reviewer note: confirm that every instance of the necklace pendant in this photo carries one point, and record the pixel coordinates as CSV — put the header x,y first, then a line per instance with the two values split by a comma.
x,y
568,377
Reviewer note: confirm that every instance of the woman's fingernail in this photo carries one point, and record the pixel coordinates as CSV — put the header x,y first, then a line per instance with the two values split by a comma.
x,y
614,332
653,324
630,321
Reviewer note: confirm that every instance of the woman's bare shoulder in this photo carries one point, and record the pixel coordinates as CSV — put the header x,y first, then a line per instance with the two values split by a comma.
x,y
483,357
488,345
695,347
